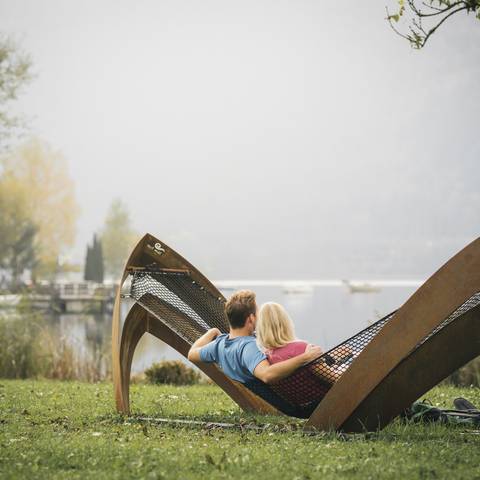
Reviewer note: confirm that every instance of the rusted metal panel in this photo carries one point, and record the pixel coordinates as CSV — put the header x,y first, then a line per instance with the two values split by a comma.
x,y
449,287
443,353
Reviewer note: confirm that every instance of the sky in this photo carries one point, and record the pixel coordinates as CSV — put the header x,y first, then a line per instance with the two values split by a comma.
x,y
261,139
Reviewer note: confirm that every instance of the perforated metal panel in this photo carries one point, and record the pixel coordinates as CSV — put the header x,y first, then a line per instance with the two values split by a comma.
x,y
179,302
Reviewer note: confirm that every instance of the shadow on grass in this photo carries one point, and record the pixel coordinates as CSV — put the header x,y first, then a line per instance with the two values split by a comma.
x,y
398,431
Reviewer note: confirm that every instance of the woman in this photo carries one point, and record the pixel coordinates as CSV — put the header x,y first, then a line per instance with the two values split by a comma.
x,y
276,334
276,337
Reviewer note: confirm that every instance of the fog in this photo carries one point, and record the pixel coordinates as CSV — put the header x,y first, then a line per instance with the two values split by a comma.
x,y
262,139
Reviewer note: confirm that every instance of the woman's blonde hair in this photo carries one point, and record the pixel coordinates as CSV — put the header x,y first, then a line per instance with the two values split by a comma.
x,y
274,326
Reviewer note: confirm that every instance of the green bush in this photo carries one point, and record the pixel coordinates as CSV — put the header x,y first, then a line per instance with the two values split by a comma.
x,y
467,375
172,372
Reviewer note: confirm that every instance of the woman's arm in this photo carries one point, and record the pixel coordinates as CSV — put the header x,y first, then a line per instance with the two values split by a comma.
x,y
328,373
341,354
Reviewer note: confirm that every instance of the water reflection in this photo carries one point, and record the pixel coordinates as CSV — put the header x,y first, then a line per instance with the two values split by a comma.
x,y
149,350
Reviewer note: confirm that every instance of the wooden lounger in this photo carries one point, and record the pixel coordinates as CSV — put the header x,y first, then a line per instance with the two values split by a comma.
x,y
362,384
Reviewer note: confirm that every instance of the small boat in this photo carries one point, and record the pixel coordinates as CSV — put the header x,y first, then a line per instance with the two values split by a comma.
x,y
226,289
226,286
361,287
297,288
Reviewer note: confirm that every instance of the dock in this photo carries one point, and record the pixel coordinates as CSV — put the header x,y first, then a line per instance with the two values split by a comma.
x,y
65,297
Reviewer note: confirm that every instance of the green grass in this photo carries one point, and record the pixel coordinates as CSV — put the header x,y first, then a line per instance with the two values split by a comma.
x,y
52,429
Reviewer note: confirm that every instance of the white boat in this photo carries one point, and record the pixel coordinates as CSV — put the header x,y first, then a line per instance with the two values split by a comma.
x,y
227,288
297,288
361,287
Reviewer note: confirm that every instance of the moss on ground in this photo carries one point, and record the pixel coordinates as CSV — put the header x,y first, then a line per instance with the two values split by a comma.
x,y
69,430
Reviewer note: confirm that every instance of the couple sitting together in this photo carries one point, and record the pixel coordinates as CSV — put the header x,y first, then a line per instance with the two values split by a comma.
x,y
274,354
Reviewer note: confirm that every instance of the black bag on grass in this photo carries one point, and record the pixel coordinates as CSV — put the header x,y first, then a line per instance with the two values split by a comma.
x,y
425,412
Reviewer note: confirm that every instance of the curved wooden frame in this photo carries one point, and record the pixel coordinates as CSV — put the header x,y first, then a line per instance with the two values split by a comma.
x,y
148,251
388,375
447,289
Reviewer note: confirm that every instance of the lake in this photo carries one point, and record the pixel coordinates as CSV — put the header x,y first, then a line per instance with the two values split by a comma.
x,y
325,313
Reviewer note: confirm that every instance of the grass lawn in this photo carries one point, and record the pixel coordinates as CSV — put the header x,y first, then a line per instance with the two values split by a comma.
x,y
54,429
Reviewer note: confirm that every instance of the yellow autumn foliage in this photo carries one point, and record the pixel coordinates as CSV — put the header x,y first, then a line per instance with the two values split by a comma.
x,y
50,199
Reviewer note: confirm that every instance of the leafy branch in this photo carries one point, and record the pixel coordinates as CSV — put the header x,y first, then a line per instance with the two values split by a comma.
x,y
15,72
425,17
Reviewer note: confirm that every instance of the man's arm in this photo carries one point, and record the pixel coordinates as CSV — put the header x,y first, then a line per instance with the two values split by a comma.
x,y
205,339
273,373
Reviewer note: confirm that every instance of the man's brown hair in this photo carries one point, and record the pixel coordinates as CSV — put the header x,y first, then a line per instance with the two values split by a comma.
x,y
239,306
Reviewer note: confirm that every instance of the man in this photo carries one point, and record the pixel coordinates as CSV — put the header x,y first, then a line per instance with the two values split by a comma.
x,y
236,353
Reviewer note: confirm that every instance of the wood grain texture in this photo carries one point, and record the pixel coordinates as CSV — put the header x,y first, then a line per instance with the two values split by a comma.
x,y
134,258
437,298
139,321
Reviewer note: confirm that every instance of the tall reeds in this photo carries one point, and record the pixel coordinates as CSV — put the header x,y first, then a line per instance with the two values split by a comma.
x,y
19,342
29,348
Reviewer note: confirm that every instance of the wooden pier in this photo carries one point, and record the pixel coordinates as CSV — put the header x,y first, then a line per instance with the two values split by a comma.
x,y
66,297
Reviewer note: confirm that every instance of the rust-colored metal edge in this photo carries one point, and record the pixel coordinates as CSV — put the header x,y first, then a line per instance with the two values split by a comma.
x,y
148,251
440,295
443,353
116,333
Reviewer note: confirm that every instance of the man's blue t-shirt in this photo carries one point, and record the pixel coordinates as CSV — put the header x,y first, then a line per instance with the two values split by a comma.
x,y
237,357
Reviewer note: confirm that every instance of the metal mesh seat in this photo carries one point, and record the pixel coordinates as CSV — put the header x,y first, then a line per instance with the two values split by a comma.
x,y
190,310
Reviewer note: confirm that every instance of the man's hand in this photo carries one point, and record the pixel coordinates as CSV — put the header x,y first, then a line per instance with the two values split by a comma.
x,y
214,332
312,352
206,338
341,354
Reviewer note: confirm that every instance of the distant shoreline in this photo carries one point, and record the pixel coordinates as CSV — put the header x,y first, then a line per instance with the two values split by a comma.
x,y
316,283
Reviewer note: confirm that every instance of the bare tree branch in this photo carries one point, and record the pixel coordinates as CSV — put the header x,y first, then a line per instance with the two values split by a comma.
x,y
414,12
434,29
439,11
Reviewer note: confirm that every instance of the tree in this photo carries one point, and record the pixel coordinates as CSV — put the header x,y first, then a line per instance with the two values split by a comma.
x,y
94,270
98,259
118,238
50,200
424,17
88,271
17,230
15,72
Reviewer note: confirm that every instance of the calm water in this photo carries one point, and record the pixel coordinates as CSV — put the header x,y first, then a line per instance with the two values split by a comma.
x,y
325,316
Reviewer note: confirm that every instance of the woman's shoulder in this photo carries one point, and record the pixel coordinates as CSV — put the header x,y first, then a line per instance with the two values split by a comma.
x,y
291,349
297,345
294,345
298,342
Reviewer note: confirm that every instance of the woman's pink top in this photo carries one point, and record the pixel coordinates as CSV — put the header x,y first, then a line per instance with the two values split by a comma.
x,y
289,350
